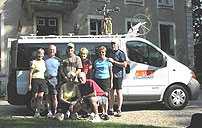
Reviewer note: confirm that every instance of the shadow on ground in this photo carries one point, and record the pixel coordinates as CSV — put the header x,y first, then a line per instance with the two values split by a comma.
x,y
11,110
145,106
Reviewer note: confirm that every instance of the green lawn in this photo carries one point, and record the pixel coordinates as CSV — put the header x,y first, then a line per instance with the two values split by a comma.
x,y
51,123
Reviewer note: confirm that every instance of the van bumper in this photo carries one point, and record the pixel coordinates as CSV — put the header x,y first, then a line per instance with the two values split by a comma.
x,y
194,88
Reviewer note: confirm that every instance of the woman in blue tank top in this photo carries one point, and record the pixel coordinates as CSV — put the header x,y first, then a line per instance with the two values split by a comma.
x,y
103,70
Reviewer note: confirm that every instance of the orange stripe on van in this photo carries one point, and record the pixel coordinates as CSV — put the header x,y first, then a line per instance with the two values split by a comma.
x,y
144,73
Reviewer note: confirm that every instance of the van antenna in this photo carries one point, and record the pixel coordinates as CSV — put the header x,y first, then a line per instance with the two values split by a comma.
x,y
142,25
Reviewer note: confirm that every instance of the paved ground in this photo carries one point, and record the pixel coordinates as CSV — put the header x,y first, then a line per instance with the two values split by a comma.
x,y
11,110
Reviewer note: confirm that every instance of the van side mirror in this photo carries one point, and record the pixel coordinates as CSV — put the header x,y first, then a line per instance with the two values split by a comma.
x,y
127,69
164,61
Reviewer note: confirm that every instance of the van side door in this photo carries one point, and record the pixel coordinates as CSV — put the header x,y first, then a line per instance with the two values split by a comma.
x,y
148,72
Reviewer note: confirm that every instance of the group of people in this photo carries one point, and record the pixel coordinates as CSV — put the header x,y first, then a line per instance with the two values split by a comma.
x,y
76,85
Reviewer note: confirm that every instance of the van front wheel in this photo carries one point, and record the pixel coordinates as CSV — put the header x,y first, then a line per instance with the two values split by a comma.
x,y
176,97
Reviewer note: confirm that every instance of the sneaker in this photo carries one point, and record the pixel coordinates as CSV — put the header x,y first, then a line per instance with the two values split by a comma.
x,y
91,116
110,112
55,112
67,114
49,115
118,113
37,115
96,119
105,116
74,116
59,116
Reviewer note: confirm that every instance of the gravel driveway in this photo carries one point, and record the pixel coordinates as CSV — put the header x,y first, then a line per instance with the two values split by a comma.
x,y
134,114
172,119
157,116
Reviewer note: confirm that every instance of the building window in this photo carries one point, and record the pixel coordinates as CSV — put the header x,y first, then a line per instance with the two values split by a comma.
x,y
167,35
47,26
165,3
52,22
95,24
41,22
135,2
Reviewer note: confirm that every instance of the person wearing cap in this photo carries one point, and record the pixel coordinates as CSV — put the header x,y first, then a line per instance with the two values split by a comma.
x,y
87,64
52,67
37,82
72,65
118,59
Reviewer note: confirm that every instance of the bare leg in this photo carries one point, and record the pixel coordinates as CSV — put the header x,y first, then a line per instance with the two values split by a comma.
x,y
105,109
120,98
94,104
48,103
34,101
55,103
40,100
111,100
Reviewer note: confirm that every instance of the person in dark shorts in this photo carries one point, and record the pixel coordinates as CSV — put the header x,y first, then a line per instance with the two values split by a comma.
x,y
118,59
103,74
52,67
37,82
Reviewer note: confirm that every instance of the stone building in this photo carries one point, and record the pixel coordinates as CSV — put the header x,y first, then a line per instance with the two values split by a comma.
x,y
61,17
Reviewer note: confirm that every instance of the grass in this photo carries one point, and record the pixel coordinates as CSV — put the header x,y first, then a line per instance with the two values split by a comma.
x,y
50,123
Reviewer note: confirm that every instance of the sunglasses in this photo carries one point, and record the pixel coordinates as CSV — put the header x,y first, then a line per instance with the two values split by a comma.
x,y
101,51
69,47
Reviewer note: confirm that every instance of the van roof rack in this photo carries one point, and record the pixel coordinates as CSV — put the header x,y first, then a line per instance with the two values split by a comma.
x,y
72,36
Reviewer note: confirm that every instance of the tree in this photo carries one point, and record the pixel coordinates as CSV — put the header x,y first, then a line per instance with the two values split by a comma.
x,y
197,20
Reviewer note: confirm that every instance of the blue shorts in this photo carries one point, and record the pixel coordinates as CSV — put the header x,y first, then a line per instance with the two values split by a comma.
x,y
52,85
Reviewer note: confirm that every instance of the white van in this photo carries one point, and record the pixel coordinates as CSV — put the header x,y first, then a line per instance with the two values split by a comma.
x,y
153,77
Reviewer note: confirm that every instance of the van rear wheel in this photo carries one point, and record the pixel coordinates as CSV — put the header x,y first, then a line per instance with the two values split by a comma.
x,y
176,97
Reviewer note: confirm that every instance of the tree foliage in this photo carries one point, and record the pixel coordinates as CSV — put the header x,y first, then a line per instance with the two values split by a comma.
x,y
197,20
